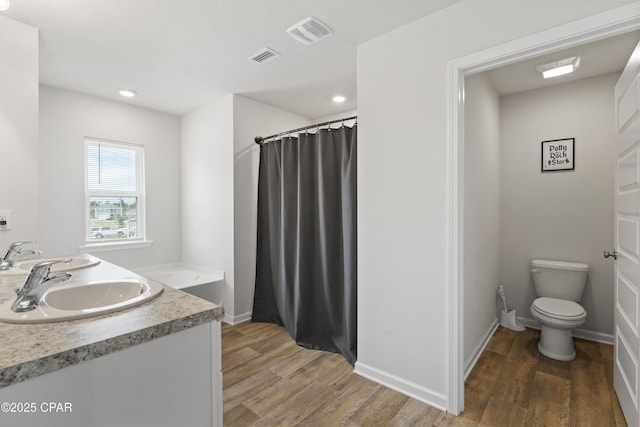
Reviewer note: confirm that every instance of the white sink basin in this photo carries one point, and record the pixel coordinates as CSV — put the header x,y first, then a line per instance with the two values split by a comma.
x,y
77,262
76,301
82,261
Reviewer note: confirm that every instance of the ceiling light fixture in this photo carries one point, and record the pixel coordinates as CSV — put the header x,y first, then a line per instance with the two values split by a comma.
x,y
338,99
5,4
559,68
128,93
309,30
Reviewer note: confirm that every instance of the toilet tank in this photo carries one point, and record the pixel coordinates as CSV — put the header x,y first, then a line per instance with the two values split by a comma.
x,y
559,279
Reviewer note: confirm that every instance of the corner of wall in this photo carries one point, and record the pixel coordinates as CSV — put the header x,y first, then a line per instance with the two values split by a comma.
x,y
207,190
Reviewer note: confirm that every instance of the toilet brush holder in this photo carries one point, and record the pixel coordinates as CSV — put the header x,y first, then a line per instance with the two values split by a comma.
x,y
508,320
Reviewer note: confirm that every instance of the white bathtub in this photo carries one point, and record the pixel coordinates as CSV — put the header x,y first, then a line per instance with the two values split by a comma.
x,y
199,281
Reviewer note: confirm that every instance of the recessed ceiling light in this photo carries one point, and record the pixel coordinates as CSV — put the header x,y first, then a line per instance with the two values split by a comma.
x,y
559,68
338,99
5,4
128,93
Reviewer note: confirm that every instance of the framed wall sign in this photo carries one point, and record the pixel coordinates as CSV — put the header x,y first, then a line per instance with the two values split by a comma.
x,y
557,155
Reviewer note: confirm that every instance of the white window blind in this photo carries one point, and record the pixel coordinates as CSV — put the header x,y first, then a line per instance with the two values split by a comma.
x,y
111,167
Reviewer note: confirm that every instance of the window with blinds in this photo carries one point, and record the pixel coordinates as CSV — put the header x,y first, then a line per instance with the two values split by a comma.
x,y
115,191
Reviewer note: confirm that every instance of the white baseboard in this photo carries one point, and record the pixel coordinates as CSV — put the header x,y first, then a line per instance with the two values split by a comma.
x,y
234,320
480,348
403,386
578,333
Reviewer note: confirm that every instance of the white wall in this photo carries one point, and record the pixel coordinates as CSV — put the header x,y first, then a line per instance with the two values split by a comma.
x,y
207,191
19,129
337,116
481,212
250,119
65,119
402,181
560,215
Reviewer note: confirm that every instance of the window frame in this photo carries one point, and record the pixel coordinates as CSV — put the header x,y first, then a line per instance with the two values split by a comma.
x,y
139,194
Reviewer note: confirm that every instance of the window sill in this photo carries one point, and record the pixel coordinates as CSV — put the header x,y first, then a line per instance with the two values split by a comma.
x,y
115,246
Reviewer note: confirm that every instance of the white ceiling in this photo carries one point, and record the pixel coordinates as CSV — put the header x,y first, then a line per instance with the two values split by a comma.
x,y
596,58
180,55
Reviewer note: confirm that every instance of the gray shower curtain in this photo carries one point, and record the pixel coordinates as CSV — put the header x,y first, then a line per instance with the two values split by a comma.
x,y
306,275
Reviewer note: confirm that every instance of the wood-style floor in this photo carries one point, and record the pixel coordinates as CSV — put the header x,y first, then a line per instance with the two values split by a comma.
x,y
271,381
513,381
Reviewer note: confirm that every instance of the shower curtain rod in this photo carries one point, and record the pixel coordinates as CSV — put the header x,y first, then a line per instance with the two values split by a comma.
x,y
259,139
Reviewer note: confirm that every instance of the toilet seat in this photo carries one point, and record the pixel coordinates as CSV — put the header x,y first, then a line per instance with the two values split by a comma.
x,y
558,309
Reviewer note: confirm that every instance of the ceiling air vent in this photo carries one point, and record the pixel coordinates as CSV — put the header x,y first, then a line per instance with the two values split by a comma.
x,y
266,54
309,30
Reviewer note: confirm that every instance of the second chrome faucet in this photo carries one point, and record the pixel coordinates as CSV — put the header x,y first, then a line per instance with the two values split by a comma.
x,y
14,252
38,282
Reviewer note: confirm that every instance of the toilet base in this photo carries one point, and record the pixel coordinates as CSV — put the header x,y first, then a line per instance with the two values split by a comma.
x,y
556,343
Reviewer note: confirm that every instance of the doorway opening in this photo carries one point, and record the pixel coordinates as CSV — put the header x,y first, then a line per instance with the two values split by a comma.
x,y
599,27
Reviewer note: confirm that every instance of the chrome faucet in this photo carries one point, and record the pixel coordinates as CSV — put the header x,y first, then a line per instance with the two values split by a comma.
x,y
15,250
37,283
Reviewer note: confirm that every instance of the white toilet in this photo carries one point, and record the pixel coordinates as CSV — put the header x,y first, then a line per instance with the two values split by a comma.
x,y
559,286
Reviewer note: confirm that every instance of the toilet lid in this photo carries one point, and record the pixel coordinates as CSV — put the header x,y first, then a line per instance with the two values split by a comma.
x,y
558,307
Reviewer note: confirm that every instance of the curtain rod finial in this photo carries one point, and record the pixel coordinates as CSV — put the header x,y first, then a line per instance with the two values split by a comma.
x,y
258,140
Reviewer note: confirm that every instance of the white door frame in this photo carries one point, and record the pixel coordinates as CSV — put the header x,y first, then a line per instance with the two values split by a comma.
x,y
611,23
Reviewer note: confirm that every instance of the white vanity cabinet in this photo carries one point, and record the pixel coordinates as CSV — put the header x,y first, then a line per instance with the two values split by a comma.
x,y
172,381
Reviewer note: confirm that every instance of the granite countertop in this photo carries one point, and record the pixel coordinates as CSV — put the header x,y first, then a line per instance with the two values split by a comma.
x,y
30,350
